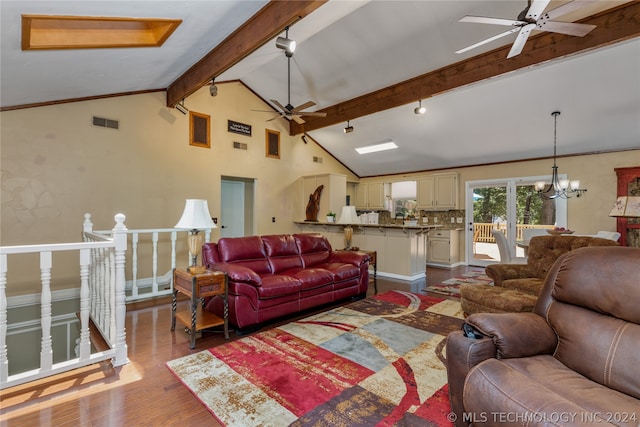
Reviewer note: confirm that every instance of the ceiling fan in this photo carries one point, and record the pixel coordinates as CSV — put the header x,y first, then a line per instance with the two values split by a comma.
x,y
531,18
289,111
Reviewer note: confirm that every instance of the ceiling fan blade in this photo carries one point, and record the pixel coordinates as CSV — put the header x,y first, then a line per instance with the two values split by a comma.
x,y
490,39
296,118
567,8
263,111
578,30
280,106
303,106
536,9
518,45
276,117
312,114
495,21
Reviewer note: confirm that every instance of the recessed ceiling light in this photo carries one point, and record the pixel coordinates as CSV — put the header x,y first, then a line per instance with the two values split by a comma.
x,y
378,147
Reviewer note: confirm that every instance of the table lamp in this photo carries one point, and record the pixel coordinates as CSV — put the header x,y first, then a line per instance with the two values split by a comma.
x,y
626,206
347,217
195,217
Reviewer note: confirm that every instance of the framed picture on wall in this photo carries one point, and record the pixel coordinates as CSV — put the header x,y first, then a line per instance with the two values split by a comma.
x,y
199,130
272,143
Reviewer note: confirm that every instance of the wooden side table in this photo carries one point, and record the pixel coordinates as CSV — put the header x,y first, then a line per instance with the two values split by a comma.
x,y
198,286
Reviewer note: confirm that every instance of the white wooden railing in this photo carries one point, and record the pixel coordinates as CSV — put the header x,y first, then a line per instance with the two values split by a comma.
x,y
157,281
102,300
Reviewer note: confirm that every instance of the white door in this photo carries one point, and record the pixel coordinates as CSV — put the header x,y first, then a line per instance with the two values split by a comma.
x,y
232,209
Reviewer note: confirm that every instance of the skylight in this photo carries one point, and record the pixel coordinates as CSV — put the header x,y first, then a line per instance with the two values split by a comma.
x,y
377,147
87,32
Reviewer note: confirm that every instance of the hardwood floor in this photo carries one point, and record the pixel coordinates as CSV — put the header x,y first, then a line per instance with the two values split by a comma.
x,y
143,392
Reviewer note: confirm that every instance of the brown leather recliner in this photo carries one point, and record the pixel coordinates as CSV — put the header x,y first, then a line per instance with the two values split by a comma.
x,y
516,286
575,360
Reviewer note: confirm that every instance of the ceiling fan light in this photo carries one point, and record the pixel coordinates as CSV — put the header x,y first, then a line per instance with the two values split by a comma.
x,y
286,44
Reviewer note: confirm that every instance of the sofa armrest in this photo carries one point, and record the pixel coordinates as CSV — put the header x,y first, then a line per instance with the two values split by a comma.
x,y
238,273
349,257
502,272
516,334
463,354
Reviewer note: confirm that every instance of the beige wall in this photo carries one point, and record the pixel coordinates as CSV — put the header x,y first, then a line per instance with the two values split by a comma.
x,y
56,166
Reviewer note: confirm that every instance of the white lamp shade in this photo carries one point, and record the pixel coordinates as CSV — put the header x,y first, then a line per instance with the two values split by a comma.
x,y
626,206
348,216
196,216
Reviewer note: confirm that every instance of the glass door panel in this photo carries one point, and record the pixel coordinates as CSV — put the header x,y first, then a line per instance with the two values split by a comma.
x,y
511,206
489,213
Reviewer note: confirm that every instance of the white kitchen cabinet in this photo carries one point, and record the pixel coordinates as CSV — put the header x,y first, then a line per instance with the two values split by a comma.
x,y
437,192
443,247
333,197
370,196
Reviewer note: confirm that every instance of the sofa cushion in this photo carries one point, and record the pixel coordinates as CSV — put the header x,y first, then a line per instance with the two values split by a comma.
x,y
541,386
530,285
246,251
545,250
278,285
341,271
314,248
312,278
282,251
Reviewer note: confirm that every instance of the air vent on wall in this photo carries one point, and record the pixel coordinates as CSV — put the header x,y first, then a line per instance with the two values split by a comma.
x,y
240,145
105,123
317,159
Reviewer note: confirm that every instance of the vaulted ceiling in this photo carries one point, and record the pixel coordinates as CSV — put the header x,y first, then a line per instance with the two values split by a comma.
x,y
368,62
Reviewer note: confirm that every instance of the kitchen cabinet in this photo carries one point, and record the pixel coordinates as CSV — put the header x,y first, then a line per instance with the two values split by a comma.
x,y
370,196
443,247
333,197
437,192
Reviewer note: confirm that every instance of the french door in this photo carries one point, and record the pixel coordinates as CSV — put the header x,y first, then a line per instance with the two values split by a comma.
x,y
508,205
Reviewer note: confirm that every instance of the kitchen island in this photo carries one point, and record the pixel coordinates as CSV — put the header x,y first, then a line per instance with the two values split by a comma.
x,y
401,249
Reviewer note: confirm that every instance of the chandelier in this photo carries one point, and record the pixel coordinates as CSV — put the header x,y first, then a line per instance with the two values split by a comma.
x,y
562,188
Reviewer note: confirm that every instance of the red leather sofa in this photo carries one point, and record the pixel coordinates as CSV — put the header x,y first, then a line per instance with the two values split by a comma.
x,y
277,275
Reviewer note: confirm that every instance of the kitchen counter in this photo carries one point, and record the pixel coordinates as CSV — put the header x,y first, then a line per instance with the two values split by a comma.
x,y
401,249
399,226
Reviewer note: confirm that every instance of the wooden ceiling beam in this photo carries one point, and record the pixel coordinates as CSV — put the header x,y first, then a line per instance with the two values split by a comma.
x,y
612,26
262,27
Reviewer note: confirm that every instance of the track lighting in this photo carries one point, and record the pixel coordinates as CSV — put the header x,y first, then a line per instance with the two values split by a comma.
x,y
349,128
420,109
213,89
304,139
286,44
180,107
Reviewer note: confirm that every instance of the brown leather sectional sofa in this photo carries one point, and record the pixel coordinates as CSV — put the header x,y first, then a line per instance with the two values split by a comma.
x,y
575,360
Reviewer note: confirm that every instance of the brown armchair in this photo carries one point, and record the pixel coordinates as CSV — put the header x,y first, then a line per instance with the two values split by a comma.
x,y
516,286
573,361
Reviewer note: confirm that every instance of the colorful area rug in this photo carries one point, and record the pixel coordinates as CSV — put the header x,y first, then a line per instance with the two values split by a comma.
x,y
451,287
377,361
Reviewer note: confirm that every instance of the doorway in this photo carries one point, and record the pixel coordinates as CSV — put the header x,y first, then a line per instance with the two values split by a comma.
x,y
508,205
237,207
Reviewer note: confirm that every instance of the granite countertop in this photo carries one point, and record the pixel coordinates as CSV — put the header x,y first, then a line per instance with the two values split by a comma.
x,y
415,227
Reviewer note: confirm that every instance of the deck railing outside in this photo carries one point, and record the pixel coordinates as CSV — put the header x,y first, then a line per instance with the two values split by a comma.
x,y
482,231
